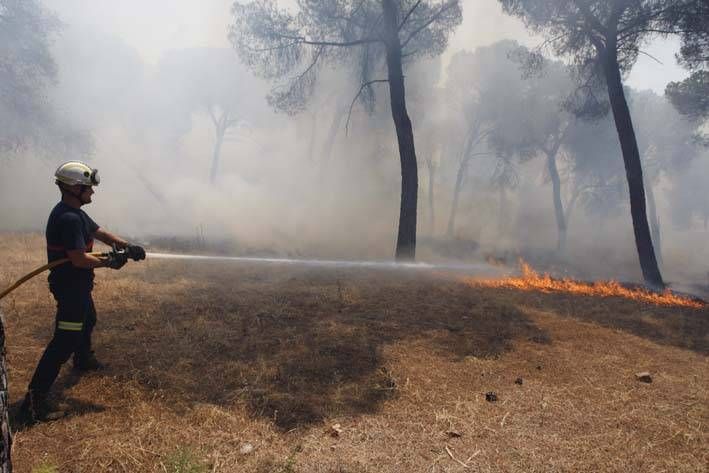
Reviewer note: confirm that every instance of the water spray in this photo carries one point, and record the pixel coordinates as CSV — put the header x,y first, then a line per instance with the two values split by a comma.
x,y
462,267
342,264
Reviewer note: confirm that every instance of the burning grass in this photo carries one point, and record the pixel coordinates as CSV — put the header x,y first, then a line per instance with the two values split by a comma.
x,y
530,280
207,359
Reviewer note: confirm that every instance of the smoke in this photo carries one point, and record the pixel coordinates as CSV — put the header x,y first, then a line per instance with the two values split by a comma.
x,y
146,79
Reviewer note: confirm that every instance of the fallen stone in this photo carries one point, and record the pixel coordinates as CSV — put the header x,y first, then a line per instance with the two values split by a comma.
x,y
643,377
246,449
335,430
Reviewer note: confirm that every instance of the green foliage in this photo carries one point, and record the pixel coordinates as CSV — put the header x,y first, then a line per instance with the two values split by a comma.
x,y
585,30
27,73
184,460
45,467
690,18
691,96
290,48
26,70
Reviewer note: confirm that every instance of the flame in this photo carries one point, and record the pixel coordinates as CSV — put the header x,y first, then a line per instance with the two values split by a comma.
x,y
530,280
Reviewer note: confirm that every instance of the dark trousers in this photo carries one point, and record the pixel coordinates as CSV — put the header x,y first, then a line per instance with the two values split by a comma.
x,y
75,321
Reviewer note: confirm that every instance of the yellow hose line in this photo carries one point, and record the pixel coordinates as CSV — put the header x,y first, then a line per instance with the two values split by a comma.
x,y
37,271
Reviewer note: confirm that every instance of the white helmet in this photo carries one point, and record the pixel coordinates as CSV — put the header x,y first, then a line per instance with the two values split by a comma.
x,y
77,173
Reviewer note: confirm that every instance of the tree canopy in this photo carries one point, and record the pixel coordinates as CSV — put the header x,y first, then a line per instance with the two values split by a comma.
x,y
691,96
290,48
27,69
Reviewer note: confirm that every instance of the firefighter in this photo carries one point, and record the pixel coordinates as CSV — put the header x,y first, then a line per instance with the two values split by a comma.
x,y
70,234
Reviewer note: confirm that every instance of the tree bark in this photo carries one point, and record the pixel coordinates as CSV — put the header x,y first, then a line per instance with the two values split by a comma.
x,y
558,206
633,167
5,432
431,207
654,222
406,239
462,169
313,135
571,206
326,154
502,213
220,131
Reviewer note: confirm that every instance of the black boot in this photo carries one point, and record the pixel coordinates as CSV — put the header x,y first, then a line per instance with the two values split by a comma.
x,y
37,408
88,362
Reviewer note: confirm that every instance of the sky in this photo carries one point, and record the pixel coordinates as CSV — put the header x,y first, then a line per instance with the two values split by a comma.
x,y
154,26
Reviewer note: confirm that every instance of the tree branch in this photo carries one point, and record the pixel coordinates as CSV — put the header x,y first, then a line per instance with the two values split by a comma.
x,y
650,56
338,44
211,114
426,24
366,84
406,17
591,18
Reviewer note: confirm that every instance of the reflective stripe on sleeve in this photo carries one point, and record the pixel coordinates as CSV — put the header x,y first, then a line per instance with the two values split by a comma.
x,y
70,326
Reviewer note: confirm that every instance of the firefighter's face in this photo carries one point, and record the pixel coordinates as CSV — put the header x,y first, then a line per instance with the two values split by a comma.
x,y
86,193
82,193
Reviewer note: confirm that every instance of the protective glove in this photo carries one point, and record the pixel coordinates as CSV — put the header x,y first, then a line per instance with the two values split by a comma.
x,y
135,252
116,260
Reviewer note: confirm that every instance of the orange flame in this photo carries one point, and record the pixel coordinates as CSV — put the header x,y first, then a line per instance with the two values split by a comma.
x,y
530,280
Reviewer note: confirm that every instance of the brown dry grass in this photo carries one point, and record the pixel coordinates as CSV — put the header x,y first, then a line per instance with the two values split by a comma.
x,y
209,356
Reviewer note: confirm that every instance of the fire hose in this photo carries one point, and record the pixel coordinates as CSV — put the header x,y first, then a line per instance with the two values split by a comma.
x,y
54,264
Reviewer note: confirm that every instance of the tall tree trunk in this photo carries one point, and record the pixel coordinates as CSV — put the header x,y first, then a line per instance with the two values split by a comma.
x,y
633,167
313,135
5,432
326,153
654,222
558,206
220,131
502,213
406,239
431,208
460,178
456,197
571,206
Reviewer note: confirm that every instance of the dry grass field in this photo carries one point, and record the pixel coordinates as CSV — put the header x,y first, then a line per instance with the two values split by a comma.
x,y
209,359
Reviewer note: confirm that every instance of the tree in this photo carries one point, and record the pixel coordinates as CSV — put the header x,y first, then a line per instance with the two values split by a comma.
x,y
597,184
687,204
544,97
668,146
515,111
482,90
27,70
211,81
368,35
603,38
690,20
691,96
